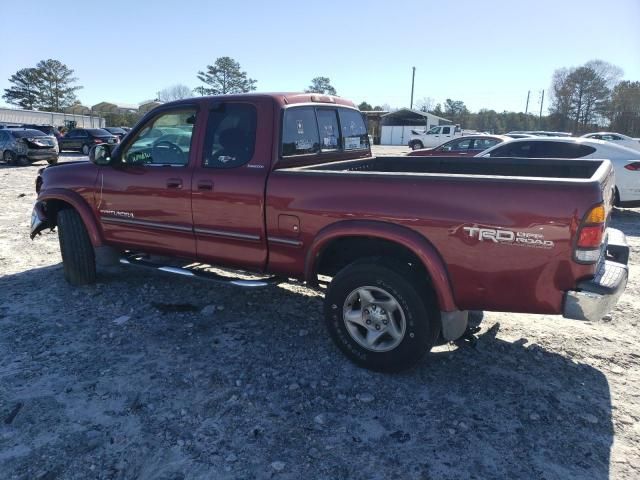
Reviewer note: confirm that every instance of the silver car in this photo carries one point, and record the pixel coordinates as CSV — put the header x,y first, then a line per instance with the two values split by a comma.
x,y
23,146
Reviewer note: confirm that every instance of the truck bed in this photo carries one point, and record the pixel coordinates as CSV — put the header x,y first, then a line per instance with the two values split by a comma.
x,y
536,168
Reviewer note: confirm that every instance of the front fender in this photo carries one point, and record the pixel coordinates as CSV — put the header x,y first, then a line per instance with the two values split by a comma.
x,y
76,201
403,236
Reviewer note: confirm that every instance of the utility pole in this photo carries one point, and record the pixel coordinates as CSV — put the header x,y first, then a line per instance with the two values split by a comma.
x,y
526,109
541,103
413,78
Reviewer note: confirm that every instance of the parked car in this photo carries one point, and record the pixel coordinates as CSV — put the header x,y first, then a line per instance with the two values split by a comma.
x,y
48,130
117,131
626,162
21,146
82,139
616,139
284,186
461,147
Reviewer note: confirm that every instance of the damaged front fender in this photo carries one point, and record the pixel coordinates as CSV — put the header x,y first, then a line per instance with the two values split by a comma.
x,y
39,220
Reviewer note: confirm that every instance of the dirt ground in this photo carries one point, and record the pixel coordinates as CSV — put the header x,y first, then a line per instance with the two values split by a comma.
x,y
150,376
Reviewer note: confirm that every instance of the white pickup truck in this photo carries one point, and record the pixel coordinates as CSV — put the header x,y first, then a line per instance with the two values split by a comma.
x,y
434,136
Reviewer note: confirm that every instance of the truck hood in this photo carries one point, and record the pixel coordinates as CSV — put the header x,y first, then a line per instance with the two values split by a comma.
x,y
76,175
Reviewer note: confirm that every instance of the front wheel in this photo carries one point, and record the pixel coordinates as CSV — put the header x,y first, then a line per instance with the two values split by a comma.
x,y
78,256
381,317
52,161
9,157
417,145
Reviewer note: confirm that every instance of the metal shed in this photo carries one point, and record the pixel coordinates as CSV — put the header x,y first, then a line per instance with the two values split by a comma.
x,y
397,126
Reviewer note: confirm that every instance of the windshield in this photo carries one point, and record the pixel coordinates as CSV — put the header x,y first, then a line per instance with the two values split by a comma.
x,y
434,130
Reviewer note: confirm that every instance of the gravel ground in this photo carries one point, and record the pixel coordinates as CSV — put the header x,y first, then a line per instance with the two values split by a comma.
x,y
152,376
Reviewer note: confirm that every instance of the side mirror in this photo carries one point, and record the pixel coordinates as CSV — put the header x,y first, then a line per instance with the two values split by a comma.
x,y
100,154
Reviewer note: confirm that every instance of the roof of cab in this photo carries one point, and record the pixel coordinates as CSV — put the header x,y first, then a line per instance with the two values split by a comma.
x,y
281,98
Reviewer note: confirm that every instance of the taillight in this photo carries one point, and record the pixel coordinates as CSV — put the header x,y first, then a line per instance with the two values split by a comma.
x,y
97,140
633,166
590,235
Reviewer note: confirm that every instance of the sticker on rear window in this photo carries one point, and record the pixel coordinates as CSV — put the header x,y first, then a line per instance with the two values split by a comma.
x,y
300,127
352,143
304,144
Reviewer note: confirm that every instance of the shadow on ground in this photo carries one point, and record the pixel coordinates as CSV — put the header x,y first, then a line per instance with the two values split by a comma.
x,y
108,384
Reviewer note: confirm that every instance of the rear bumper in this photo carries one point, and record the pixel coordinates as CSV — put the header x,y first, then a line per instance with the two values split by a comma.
x,y
594,298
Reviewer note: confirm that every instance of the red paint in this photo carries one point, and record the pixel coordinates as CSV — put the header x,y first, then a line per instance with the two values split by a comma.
x,y
283,219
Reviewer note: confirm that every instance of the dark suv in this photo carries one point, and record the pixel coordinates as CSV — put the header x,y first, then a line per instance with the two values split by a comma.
x,y
22,146
82,139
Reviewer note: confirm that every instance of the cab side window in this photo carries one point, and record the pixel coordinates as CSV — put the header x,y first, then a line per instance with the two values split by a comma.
x,y
164,140
231,135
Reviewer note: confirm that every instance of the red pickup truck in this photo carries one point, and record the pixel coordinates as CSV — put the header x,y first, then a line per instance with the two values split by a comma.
x,y
285,185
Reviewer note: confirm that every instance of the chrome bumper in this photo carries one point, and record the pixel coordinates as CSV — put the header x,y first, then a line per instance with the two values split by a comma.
x,y
594,298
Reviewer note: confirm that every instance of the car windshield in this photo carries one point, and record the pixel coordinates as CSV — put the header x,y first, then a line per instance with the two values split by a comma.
x,y
98,131
28,133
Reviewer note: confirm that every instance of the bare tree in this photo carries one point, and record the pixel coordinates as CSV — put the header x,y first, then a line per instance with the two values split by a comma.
x,y
425,104
174,92
580,95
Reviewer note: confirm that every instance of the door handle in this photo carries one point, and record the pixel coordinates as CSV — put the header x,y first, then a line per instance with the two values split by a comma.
x,y
174,183
205,185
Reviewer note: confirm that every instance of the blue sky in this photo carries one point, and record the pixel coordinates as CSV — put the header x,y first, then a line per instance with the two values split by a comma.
x,y
487,53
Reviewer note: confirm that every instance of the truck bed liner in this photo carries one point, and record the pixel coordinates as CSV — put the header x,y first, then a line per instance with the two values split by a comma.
x,y
501,167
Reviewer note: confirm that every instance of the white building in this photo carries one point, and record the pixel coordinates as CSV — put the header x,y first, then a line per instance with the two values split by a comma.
x,y
396,126
16,116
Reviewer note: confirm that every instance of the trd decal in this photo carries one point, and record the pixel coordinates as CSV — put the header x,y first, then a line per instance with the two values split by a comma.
x,y
501,236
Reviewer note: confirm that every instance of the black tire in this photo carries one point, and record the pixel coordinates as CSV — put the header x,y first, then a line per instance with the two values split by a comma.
x,y
616,198
413,295
52,161
78,257
87,148
9,157
416,145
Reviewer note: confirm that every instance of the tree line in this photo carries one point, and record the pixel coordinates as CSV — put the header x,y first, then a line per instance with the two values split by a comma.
x,y
584,98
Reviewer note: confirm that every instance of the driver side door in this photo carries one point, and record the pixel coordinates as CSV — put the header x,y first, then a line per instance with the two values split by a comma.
x,y
143,198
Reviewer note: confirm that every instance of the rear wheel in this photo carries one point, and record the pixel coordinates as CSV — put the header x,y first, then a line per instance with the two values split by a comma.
x,y
380,316
52,161
9,157
78,257
85,149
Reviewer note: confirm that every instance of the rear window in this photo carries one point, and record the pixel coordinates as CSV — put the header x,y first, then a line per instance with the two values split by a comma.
x,y
27,133
561,150
98,131
309,130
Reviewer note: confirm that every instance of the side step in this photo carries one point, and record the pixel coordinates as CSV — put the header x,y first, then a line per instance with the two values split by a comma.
x,y
140,261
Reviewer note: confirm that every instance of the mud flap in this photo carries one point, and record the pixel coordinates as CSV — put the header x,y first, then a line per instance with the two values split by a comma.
x,y
454,324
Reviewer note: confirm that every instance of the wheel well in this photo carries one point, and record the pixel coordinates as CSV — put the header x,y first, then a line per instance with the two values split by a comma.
x,y
343,251
52,208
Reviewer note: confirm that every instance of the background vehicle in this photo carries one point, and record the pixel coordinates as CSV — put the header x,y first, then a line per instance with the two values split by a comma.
x,y
541,133
518,135
82,139
626,162
284,186
22,146
461,147
117,131
434,136
616,139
